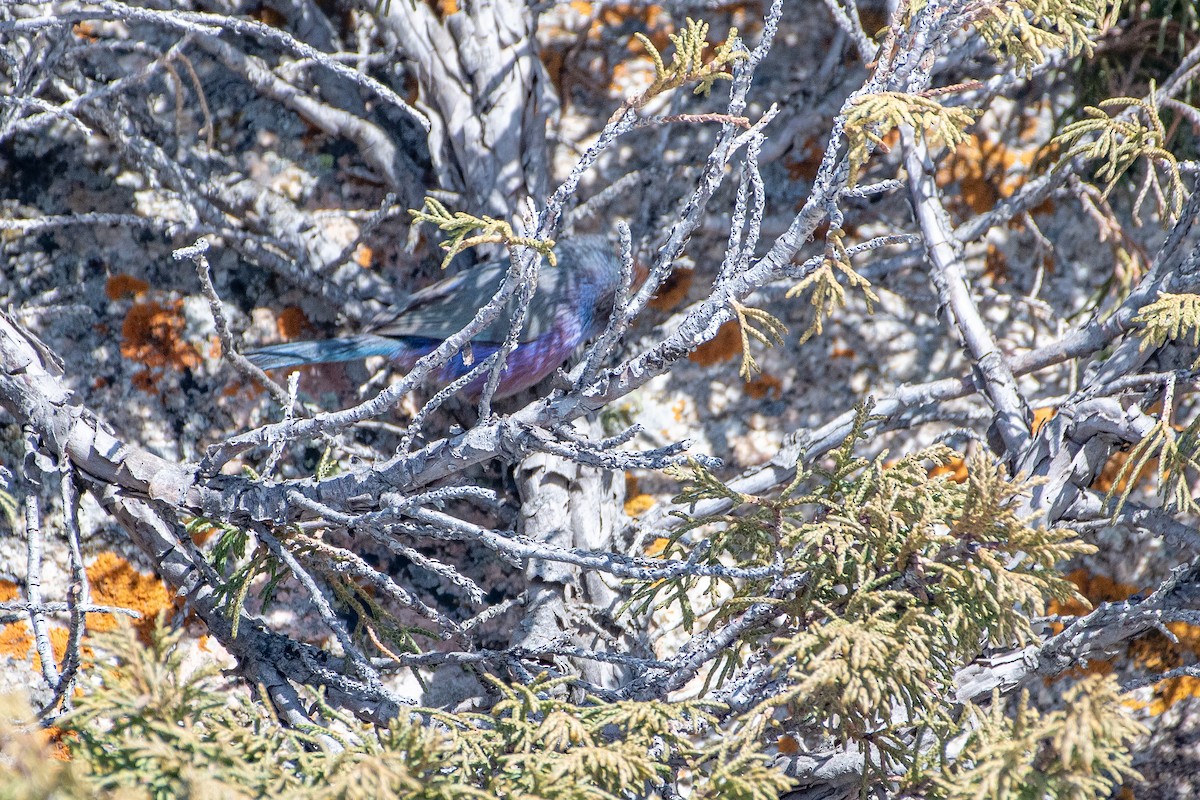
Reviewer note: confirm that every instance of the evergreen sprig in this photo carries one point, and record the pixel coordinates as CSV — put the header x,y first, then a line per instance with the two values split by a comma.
x,y
687,63
1121,142
1172,317
1080,751
757,324
870,117
228,556
908,576
1178,454
460,226
8,509
827,292
1026,30
151,727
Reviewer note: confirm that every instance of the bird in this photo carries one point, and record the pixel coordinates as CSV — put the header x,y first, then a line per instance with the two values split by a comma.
x,y
571,305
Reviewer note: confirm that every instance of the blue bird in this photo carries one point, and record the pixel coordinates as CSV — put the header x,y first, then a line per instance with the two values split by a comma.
x,y
572,304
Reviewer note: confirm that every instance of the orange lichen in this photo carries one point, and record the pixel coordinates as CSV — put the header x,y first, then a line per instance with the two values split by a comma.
x,y
292,324
152,335
202,533
1154,652
763,386
121,286
1096,588
1041,416
16,640
237,388
270,16
54,738
8,591
975,169
673,291
787,745
579,50
805,163
1112,468
995,265
58,646
986,171
722,347
364,256
115,582
890,140
956,470
1169,692
85,31
145,381
650,19
1100,588
1151,652
638,504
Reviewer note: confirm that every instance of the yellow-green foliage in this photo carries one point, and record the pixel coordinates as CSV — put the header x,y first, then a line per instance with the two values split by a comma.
x,y
827,293
27,769
1172,317
460,225
1178,453
1120,142
870,117
228,556
150,728
1026,29
904,578
907,577
687,64
1077,753
8,509
769,331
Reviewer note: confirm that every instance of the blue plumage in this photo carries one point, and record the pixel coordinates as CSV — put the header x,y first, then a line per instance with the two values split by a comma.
x,y
572,304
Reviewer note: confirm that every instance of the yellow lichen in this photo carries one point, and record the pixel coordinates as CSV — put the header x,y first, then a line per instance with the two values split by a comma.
x,y
638,505
657,547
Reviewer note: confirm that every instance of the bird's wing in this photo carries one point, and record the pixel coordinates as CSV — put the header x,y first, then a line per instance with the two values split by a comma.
x,y
443,309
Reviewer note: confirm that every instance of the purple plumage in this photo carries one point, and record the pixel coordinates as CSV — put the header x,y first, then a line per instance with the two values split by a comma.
x,y
572,304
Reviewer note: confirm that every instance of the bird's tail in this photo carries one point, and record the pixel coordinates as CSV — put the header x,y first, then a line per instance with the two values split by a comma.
x,y
325,351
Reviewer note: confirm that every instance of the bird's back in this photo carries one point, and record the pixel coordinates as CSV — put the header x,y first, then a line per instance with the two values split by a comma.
x,y
586,266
